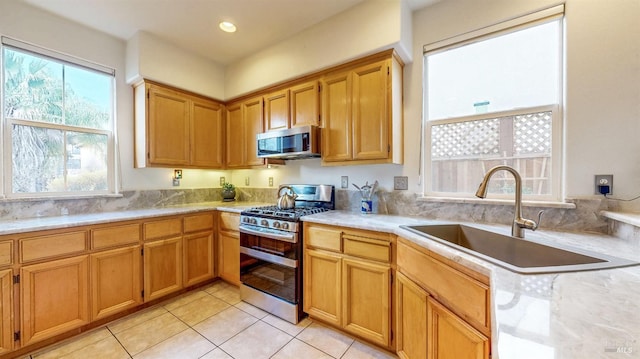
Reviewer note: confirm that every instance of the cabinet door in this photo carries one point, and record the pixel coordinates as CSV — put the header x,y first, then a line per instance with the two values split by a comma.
x,y
411,319
168,121
252,115
162,267
198,257
370,112
229,257
206,134
116,281
321,286
450,337
6,310
304,99
235,134
366,300
336,115
276,111
54,298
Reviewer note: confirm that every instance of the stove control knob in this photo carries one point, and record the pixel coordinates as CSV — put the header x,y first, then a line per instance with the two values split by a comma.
x,y
245,219
285,225
264,223
276,224
253,221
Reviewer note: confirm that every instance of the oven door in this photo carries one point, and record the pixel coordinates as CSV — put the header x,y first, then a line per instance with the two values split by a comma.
x,y
271,265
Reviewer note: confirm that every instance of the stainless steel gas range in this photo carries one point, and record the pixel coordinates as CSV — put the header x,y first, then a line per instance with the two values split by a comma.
x,y
271,251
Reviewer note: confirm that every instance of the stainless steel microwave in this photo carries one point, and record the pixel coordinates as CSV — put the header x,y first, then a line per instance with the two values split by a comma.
x,y
292,143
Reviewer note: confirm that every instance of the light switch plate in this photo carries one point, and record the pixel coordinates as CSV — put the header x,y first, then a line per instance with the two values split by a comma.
x,y
400,182
246,181
344,182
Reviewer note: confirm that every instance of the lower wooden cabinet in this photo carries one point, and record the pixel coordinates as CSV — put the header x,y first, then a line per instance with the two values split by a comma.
x,y
347,280
366,292
229,257
229,247
116,282
198,257
162,267
450,337
411,319
54,298
322,290
6,310
442,309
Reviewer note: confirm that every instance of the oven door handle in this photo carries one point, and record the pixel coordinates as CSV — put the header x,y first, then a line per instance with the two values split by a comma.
x,y
271,258
291,238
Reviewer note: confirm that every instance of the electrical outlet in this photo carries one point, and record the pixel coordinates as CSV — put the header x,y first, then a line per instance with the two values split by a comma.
x,y
176,182
246,181
603,180
401,182
344,182
270,181
222,180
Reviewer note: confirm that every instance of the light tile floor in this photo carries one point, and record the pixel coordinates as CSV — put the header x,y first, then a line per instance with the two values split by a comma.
x,y
210,323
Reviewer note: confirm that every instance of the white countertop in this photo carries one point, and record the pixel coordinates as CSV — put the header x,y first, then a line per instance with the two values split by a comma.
x,y
590,314
44,223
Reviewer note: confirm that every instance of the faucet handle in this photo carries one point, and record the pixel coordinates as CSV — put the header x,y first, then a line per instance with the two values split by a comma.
x,y
536,224
529,223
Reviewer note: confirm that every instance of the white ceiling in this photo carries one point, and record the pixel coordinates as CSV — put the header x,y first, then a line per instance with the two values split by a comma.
x,y
193,24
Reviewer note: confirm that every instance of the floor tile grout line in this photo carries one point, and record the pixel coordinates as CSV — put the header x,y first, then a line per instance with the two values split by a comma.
x,y
118,340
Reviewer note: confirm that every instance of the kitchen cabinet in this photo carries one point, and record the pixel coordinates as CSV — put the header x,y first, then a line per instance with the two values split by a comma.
x,y
276,110
411,319
229,247
116,269
347,280
244,122
294,106
451,337
198,249
305,104
455,300
116,283
163,261
362,113
6,310
176,128
54,298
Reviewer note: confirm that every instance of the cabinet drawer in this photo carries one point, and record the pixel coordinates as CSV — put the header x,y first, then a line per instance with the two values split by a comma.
x,y
324,238
461,293
229,221
115,236
366,247
35,248
6,250
163,228
200,222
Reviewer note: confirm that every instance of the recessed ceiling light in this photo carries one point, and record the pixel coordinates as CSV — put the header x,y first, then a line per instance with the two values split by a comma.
x,y
227,26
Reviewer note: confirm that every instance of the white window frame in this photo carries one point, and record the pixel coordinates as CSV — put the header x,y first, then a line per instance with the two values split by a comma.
x,y
6,163
512,25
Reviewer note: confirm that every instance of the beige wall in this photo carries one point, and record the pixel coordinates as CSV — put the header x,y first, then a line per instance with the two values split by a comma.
x,y
602,81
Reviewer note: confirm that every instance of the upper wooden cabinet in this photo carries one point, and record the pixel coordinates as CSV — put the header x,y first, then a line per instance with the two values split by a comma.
x,y
244,122
362,113
276,110
292,107
176,128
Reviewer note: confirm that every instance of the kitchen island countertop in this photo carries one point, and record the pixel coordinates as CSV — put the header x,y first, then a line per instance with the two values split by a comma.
x,y
590,314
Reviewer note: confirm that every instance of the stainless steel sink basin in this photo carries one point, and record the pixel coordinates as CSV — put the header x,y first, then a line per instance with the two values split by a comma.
x,y
517,254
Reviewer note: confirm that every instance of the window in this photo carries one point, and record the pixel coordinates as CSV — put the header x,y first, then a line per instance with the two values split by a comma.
x,y
493,98
58,123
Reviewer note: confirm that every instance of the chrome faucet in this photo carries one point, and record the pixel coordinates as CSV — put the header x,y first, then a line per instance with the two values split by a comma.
x,y
519,223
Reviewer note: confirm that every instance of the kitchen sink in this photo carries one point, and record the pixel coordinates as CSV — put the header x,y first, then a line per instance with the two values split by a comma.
x,y
517,254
